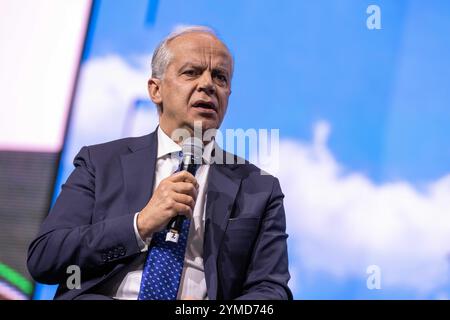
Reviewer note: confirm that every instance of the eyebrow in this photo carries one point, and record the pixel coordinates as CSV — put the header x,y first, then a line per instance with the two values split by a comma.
x,y
220,67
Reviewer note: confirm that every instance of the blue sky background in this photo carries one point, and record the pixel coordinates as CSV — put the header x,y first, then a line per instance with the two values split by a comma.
x,y
385,93
299,61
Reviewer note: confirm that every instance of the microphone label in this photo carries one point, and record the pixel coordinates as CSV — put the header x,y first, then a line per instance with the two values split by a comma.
x,y
172,236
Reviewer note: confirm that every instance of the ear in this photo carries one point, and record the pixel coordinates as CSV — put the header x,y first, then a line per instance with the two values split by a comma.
x,y
154,90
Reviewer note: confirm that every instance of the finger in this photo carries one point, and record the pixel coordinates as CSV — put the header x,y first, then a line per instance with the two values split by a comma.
x,y
187,214
183,176
183,209
185,188
184,199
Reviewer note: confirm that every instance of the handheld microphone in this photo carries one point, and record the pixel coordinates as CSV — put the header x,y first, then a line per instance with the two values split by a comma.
x,y
192,159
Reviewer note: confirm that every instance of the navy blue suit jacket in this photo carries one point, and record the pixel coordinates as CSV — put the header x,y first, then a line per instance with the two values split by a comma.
x,y
91,224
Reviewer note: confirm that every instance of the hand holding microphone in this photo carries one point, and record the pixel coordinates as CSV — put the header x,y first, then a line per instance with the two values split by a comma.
x,y
191,160
174,198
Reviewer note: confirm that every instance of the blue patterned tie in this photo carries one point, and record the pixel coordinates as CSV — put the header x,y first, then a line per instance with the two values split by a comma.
x,y
162,271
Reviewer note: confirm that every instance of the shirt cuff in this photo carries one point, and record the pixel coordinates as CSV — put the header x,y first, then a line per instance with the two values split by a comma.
x,y
143,244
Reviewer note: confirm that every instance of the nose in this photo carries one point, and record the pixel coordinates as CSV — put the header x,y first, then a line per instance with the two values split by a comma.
x,y
206,83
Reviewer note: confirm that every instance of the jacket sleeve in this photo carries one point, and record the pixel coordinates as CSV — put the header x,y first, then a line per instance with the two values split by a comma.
x,y
268,272
68,236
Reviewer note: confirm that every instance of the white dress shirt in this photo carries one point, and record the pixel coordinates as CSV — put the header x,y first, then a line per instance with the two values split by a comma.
x,y
192,283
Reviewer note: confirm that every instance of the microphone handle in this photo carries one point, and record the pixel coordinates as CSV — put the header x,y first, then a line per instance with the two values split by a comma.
x,y
176,222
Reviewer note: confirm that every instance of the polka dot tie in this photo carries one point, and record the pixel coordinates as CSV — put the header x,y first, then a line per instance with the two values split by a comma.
x,y
162,270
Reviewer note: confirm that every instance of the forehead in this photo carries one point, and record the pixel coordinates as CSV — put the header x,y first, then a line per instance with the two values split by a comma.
x,y
197,47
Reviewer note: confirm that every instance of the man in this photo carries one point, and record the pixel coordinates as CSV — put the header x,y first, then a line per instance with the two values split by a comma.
x,y
113,210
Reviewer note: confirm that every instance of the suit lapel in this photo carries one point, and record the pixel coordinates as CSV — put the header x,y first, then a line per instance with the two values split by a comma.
x,y
139,171
223,185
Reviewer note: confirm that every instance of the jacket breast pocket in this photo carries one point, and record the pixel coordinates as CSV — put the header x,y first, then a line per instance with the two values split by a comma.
x,y
244,223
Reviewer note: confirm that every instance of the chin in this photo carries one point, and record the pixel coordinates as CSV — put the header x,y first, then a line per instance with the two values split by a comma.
x,y
207,122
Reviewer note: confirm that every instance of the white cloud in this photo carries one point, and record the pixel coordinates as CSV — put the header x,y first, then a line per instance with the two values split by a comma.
x,y
341,222
106,107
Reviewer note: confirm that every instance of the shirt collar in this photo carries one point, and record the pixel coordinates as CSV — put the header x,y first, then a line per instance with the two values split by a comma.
x,y
167,146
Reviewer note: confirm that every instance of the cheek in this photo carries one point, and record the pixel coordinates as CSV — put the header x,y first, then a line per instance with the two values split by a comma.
x,y
176,89
178,97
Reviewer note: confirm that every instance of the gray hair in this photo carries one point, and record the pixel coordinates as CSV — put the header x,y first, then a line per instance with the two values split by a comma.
x,y
162,55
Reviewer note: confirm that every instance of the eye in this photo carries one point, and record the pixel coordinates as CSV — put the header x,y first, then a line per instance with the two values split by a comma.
x,y
190,72
221,77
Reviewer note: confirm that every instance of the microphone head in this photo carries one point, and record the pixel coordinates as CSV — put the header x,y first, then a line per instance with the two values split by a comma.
x,y
193,147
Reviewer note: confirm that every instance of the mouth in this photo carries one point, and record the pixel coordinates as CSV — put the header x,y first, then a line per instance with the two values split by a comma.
x,y
205,106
